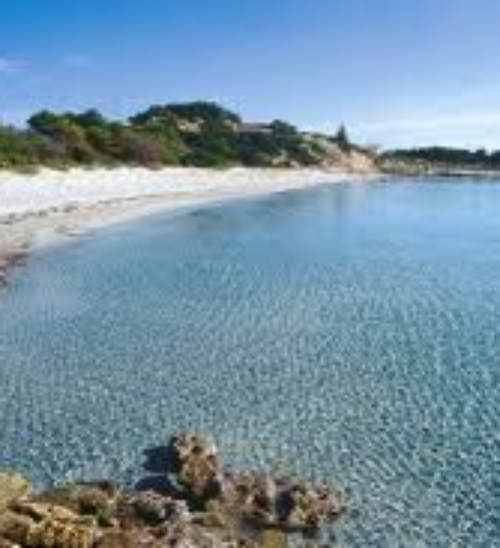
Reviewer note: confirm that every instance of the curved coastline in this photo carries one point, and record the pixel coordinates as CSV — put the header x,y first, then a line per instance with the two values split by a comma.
x,y
49,205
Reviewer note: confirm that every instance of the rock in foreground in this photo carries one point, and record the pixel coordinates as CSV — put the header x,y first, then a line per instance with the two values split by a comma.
x,y
204,506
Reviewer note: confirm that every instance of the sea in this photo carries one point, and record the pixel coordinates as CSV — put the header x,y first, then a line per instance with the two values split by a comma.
x,y
348,334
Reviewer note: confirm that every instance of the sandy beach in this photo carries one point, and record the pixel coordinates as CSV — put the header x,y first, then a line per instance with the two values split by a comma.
x,y
39,208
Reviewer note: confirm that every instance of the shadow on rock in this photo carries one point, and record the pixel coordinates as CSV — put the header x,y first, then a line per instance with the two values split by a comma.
x,y
157,464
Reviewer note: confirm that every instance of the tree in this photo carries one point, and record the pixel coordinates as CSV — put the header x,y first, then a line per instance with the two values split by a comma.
x,y
194,134
283,129
342,138
65,130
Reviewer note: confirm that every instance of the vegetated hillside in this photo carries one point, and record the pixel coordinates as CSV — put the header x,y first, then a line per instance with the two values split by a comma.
x,y
442,160
193,134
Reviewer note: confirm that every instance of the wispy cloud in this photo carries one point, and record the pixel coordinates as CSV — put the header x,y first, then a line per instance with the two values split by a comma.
x,y
466,118
12,66
436,122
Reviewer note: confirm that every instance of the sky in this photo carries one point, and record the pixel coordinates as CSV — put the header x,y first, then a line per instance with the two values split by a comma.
x,y
396,72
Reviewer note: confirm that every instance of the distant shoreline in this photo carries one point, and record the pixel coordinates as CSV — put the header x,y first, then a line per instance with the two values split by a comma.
x,y
50,205
439,172
450,174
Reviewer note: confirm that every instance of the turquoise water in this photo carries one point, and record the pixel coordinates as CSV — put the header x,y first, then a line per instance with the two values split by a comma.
x,y
349,334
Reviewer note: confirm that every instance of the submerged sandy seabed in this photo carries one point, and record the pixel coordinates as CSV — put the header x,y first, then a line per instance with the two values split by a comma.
x,y
40,207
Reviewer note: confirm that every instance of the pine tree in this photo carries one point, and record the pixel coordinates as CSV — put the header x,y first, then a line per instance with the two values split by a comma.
x,y
342,138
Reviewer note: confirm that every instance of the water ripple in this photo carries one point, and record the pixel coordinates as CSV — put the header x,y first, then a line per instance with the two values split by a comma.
x,y
347,334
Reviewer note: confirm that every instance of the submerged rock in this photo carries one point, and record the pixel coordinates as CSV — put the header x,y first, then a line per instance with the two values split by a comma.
x,y
209,508
11,260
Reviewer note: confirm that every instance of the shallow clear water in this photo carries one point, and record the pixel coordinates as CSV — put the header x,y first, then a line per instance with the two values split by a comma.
x,y
350,334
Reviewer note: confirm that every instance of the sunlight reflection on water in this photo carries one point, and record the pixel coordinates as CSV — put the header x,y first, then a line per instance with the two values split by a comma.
x,y
349,334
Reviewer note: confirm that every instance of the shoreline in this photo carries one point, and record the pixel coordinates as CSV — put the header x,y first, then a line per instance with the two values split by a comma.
x,y
49,206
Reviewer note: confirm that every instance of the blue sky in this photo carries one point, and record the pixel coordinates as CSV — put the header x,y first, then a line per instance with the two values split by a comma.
x,y
397,72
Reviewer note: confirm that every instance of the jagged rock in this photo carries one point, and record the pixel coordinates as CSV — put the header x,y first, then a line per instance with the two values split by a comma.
x,y
122,538
43,525
14,527
51,533
272,539
212,518
299,506
188,536
195,466
97,499
279,503
13,487
95,502
40,511
249,495
257,498
150,509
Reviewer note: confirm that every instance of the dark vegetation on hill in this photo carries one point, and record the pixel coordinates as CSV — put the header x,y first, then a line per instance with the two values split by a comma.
x,y
442,159
192,134
204,134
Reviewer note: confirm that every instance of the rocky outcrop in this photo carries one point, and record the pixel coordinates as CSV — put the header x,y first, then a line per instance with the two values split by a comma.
x,y
205,507
252,497
13,487
194,465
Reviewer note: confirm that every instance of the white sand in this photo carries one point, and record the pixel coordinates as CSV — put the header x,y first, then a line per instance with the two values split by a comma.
x,y
34,208
47,189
